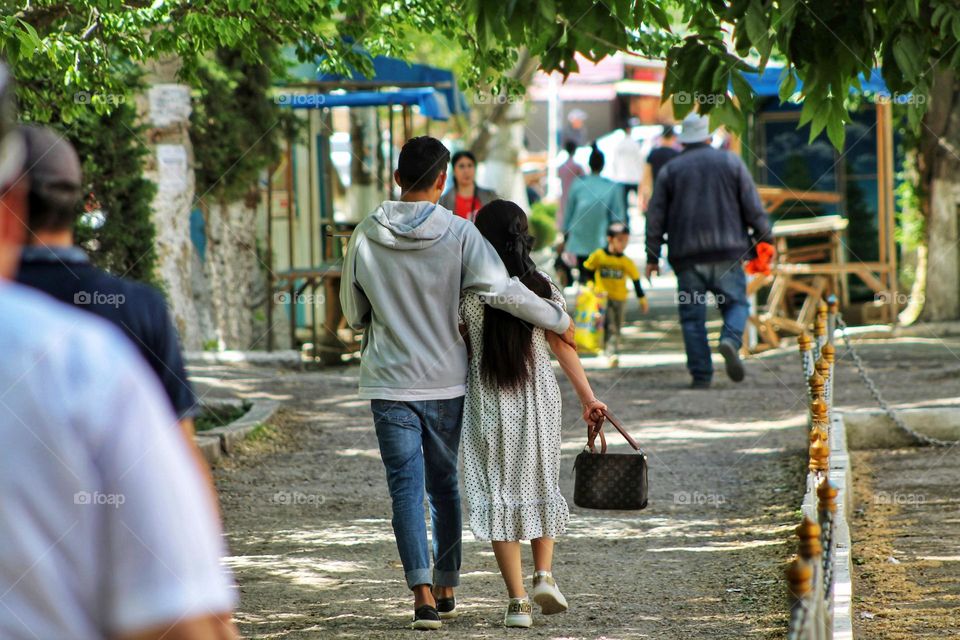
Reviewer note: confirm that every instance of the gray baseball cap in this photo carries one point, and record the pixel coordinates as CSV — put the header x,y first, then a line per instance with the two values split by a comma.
x,y
51,163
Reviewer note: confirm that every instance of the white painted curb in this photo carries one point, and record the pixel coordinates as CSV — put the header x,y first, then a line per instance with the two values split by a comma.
x,y
842,570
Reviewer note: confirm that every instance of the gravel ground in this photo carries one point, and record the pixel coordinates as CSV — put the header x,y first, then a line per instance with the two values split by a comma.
x,y
307,512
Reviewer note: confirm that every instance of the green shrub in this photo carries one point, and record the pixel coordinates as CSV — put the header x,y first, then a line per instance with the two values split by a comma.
x,y
544,208
543,226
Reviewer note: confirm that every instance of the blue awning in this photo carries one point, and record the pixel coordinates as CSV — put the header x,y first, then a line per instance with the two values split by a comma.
x,y
388,70
432,103
767,83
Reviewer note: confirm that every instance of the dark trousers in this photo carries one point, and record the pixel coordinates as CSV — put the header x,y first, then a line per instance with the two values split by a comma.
x,y
727,282
586,275
627,188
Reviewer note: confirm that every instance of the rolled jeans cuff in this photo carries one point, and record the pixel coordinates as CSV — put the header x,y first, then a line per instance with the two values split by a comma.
x,y
446,578
417,576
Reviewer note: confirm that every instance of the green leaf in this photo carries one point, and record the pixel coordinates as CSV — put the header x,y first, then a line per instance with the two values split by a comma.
x,y
756,22
548,9
807,110
906,52
726,114
788,84
836,132
913,6
660,16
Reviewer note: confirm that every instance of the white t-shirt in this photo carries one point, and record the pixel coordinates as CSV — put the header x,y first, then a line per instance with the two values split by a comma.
x,y
106,525
627,163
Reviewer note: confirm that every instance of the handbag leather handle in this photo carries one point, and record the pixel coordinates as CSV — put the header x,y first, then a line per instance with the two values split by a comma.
x,y
592,433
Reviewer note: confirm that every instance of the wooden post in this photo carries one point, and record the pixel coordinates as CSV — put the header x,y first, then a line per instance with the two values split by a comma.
x,y
390,166
407,123
270,276
885,206
290,222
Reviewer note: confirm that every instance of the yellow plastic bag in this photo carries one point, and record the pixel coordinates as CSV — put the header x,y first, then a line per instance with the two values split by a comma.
x,y
588,319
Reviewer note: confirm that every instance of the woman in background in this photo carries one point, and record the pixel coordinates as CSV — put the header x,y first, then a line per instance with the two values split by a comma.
x,y
465,198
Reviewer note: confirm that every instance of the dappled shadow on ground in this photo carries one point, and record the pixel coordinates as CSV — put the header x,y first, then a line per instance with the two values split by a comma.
x,y
308,516
310,539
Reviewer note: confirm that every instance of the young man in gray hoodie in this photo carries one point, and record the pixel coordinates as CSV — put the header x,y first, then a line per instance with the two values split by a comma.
x,y
406,267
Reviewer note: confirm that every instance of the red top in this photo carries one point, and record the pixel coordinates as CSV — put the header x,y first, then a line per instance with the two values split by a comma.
x,y
466,207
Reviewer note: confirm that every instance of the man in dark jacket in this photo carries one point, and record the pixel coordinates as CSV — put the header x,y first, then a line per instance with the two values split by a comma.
x,y
706,203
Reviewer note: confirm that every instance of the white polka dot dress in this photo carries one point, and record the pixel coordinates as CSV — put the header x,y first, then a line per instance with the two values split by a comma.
x,y
511,444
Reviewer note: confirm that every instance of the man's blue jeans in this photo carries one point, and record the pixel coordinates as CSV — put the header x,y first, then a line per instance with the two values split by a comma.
x,y
419,443
727,282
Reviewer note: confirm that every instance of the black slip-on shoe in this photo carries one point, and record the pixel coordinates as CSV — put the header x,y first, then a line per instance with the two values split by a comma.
x,y
700,384
426,618
731,356
447,608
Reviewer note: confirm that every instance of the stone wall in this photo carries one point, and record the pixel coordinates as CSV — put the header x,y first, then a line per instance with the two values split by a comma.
x,y
212,300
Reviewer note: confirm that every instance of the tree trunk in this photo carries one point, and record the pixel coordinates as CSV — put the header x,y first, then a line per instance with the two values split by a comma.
x,y
940,200
495,112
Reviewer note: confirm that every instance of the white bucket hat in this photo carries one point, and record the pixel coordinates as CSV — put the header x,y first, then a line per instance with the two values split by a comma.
x,y
694,128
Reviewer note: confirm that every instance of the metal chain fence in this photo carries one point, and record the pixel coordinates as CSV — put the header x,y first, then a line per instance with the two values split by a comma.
x,y
878,397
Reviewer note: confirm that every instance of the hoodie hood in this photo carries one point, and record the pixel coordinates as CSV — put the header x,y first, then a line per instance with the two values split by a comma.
x,y
408,225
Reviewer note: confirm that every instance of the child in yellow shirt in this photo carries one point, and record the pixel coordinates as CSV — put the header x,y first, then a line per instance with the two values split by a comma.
x,y
612,269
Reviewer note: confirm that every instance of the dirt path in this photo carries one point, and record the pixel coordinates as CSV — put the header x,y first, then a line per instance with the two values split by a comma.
x,y
308,516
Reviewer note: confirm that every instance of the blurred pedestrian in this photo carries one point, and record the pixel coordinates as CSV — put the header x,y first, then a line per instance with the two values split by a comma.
x,y
53,264
706,203
594,203
466,198
567,172
575,130
660,155
626,166
107,529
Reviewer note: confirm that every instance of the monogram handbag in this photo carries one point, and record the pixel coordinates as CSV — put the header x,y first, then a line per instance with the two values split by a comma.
x,y
610,480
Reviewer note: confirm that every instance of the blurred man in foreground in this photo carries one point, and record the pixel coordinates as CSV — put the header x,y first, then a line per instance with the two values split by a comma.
x,y
107,528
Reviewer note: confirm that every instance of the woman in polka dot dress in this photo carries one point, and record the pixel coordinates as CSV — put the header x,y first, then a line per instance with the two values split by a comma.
x,y
511,422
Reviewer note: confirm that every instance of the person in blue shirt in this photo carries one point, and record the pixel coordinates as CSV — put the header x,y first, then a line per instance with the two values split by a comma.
x,y
53,264
593,205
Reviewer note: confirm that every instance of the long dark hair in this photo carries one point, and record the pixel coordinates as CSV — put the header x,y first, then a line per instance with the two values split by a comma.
x,y
508,341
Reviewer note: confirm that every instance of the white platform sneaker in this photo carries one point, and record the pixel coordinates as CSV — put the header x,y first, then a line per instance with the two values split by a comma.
x,y
519,613
547,594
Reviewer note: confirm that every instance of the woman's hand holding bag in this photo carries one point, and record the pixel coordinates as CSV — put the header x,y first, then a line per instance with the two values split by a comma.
x,y
609,480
